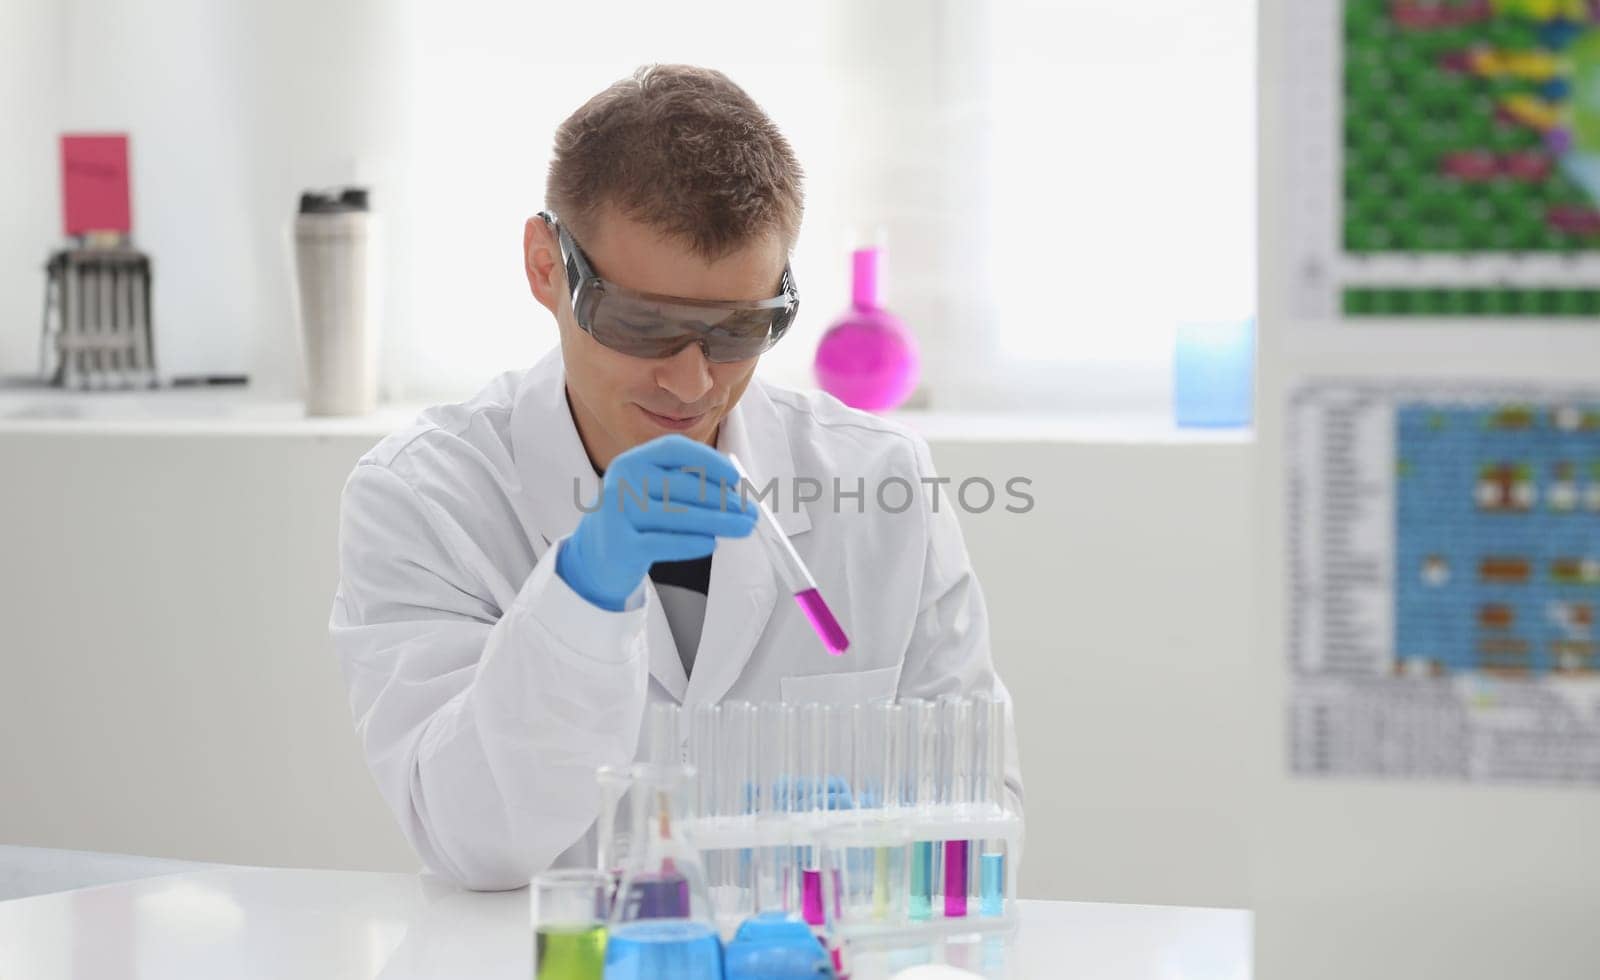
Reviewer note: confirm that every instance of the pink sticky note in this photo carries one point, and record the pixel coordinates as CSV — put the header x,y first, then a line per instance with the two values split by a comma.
x,y
94,183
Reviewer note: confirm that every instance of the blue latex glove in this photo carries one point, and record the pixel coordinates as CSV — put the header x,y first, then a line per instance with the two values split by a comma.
x,y
659,502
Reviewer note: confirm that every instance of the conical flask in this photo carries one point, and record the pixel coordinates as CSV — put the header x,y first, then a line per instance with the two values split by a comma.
x,y
662,925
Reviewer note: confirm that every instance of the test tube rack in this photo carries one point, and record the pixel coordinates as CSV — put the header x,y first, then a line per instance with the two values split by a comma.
x,y
97,331
909,792
737,840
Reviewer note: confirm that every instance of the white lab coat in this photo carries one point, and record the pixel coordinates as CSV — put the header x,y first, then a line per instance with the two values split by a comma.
x,y
486,692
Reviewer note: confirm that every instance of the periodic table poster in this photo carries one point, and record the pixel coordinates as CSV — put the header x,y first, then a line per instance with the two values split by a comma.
x,y
1445,575
1446,161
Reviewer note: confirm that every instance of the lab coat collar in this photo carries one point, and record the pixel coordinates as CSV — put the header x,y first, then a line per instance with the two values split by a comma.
x,y
553,466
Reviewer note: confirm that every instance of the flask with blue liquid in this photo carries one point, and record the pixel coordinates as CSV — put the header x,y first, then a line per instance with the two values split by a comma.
x,y
662,925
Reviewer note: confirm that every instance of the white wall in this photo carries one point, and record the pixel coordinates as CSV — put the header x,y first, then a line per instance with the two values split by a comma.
x,y
170,689
31,48
159,72
1358,878
234,106
231,110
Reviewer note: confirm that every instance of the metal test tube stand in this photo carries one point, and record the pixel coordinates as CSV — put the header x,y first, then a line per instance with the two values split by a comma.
x,y
97,329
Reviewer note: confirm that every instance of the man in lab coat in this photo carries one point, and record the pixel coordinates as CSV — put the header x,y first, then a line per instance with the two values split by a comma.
x,y
521,573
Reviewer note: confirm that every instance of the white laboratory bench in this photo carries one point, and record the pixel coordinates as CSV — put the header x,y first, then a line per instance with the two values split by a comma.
x,y
258,922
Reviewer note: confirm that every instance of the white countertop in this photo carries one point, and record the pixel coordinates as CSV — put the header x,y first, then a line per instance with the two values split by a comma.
x,y
248,923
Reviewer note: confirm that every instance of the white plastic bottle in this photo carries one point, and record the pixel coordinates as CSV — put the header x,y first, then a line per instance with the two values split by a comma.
x,y
335,264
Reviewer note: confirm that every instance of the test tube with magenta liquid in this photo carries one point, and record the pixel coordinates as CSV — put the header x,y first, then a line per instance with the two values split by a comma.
x,y
955,767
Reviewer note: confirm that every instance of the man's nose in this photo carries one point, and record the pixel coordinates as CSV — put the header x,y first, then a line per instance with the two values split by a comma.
x,y
686,375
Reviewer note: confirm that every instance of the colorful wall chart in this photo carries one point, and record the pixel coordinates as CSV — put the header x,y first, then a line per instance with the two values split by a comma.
x,y
1444,555
1463,175
1497,558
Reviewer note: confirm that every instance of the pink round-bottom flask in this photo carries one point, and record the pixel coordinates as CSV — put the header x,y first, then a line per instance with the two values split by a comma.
x,y
868,359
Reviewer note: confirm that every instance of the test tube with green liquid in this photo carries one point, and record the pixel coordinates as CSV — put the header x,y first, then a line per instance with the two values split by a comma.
x,y
918,789
880,753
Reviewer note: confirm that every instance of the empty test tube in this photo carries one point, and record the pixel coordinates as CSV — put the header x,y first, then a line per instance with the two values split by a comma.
x,y
775,768
812,759
875,768
844,759
736,799
704,722
663,744
736,775
610,839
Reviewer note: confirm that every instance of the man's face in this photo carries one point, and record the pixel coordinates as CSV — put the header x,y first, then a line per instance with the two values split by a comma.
x,y
620,401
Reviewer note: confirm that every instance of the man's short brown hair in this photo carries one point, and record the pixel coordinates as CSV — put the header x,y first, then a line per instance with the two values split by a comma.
x,y
683,150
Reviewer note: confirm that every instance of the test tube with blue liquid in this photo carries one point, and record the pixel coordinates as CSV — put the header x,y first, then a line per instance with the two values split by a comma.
x,y
657,932
989,797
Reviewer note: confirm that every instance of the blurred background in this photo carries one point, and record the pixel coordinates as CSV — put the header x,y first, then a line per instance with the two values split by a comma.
x,y
1059,188
1067,150
1072,197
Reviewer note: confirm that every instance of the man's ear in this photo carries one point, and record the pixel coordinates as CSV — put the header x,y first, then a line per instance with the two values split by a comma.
x,y
541,259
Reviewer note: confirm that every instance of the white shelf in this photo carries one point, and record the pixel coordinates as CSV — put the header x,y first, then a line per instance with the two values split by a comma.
x,y
231,411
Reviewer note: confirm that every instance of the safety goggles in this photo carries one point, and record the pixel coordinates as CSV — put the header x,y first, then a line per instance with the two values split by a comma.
x,y
647,325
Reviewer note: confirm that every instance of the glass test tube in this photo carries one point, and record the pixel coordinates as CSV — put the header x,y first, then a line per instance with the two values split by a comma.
x,y
775,768
992,861
838,755
736,790
663,744
703,724
988,800
836,788
880,737
853,865
955,769
917,790
812,759
862,738
703,721
612,836
736,776
810,799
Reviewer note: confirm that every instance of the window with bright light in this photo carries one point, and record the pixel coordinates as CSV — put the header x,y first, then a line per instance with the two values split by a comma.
x,y
1123,166
1059,184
